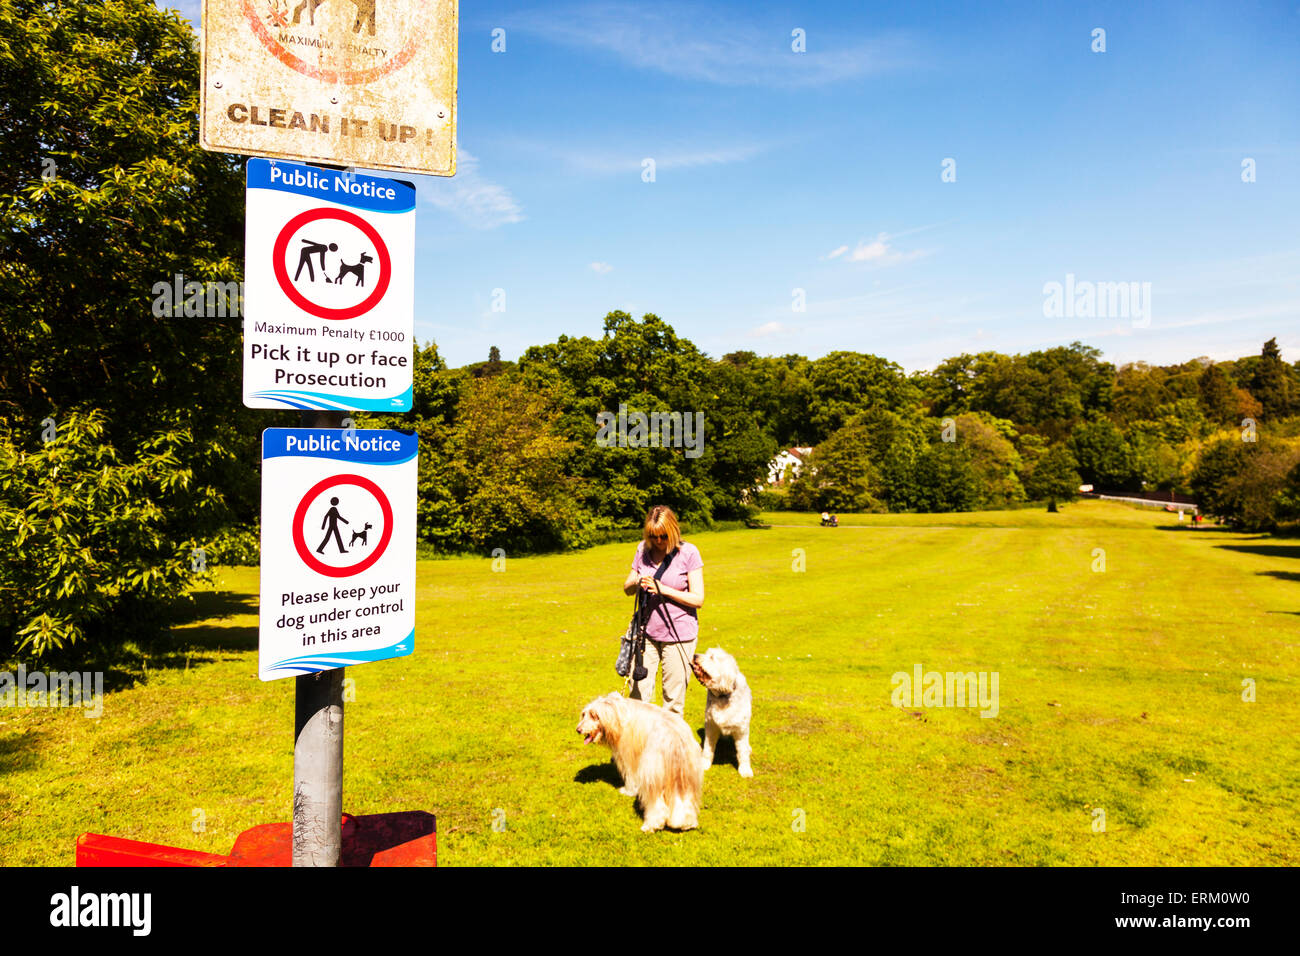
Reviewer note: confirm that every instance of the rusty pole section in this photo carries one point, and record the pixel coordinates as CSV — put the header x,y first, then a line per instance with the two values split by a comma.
x,y
318,745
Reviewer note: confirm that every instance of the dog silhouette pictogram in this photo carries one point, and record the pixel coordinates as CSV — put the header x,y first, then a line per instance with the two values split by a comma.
x,y
357,268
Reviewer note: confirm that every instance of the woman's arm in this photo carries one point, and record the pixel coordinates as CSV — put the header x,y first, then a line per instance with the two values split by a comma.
x,y
629,585
694,597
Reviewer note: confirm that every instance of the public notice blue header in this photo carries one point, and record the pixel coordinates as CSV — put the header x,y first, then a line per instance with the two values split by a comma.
x,y
337,186
367,446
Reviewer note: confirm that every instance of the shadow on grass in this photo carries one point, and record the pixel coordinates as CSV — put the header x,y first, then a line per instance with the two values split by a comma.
x,y
206,604
20,752
724,752
1268,550
180,645
148,638
600,773
181,641
1281,575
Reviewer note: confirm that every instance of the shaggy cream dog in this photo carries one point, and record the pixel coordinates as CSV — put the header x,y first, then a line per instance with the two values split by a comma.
x,y
655,752
728,708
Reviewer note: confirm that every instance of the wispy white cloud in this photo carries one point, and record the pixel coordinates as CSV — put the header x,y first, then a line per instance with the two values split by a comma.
x,y
692,43
766,329
880,250
601,267
471,197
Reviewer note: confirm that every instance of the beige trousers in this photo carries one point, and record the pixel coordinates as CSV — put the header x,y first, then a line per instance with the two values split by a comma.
x,y
676,661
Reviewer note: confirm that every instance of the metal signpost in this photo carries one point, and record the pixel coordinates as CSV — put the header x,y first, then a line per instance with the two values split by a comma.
x,y
328,328
329,266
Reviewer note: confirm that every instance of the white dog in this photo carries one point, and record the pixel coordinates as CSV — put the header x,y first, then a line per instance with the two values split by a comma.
x,y
729,706
655,752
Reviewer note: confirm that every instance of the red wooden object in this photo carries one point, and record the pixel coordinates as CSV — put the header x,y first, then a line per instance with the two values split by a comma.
x,y
408,838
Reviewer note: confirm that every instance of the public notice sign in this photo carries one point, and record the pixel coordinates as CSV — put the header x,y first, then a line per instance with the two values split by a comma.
x,y
368,83
338,549
329,289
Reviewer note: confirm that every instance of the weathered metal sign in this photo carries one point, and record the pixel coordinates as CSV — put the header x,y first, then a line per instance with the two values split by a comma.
x,y
368,83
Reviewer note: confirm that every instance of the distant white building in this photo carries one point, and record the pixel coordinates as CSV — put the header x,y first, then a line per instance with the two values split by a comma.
x,y
787,464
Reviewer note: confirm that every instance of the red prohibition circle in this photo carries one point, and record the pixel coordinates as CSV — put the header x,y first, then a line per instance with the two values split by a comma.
x,y
300,543
306,304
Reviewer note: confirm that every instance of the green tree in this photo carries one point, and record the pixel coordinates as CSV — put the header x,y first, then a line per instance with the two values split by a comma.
x,y
1220,462
894,443
948,389
1049,391
1247,484
1139,391
1156,463
1273,383
990,444
507,478
1218,395
847,383
106,197
644,366
839,475
1104,457
91,547
102,98
944,479
1288,500
1053,476
780,395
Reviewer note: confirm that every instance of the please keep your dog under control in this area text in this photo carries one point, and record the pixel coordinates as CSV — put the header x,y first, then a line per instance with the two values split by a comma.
x,y
341,622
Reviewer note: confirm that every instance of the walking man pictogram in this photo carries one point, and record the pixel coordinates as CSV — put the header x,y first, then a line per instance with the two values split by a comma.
x,y
310,249
332,518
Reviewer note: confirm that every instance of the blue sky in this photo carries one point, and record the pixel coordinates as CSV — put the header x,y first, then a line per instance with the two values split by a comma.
x,y
821,171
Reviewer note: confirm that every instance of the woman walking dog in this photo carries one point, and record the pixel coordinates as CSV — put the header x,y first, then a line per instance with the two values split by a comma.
x,y
670,574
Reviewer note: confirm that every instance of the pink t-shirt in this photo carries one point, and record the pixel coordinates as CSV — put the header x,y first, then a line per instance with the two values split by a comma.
x,y
669,621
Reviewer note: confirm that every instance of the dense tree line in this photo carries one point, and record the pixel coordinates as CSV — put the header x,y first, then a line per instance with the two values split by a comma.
x,y
128,464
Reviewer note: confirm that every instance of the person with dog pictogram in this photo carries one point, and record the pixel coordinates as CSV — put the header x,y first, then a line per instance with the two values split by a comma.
x,y
332,519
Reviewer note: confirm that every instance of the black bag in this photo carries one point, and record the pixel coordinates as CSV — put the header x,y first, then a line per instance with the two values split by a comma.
x,y
632,645
627,647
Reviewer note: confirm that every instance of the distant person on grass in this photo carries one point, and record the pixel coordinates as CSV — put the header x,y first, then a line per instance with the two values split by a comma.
x,y
672,601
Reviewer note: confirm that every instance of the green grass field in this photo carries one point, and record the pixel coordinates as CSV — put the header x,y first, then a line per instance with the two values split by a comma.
x,y
1119,690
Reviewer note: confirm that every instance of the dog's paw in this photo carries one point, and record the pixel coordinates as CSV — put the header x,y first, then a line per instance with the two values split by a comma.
x,y
627,791
650,828
747,771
